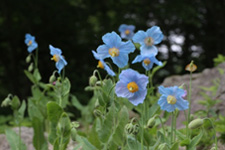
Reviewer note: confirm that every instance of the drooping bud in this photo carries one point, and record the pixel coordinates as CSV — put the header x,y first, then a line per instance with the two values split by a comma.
x,y
28,58
15,103
6,102
97,113
75,124
195,124
31,67
73,134
92,80
52,78
136,129
151,122
129,128
97,103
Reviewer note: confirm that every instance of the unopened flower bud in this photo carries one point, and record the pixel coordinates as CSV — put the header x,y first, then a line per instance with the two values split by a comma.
x,y
136,129
75,124
6,102
129,128
31,67
28,59
73,134
151,122
195,124
97,103
92,80
52,78
97,113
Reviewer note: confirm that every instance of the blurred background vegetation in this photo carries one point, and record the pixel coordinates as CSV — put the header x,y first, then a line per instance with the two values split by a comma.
x,y
193,29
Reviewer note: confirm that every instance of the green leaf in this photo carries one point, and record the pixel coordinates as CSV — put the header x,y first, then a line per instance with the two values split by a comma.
x,y
65,87
175,146
86,145
54,112
185,142
107,126
15,103
39,140
123,118
195,141
37,75
76,103
134,144
33,110
21,111
29,76
14,140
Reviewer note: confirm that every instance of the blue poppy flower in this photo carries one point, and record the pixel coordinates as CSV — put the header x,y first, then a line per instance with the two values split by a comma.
x,y
102,64
58,58
115,49
147,61
30,42
132,85
148,39
126,31
172,98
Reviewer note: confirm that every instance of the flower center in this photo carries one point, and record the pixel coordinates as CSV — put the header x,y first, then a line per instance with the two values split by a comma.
x,y
147,61
171,99
114,52
29,43
55,58
132,87
127,32
100,65
149,41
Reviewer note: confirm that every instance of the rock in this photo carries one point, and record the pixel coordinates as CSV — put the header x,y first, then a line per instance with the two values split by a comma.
x,y
204,79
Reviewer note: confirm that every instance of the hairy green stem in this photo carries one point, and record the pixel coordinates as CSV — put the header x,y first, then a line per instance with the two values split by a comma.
x,y
189,100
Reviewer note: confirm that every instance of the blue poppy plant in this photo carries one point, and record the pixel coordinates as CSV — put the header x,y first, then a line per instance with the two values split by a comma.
x,y
30,42
58,58
147,61
115,49
172,98
126,31
102,64
148,40
132,85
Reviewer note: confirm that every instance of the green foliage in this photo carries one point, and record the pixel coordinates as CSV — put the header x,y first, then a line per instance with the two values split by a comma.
x,y
14,140
219,59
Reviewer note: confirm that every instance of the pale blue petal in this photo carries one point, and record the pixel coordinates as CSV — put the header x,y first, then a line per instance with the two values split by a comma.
x,y
138,58
153,59
54,51
148,50
122,91
139,37
155,33
121,60
32,47
163,90
138,97
182,104
111,39
60,65
142,81
148,67
127,75
122,27
126,47
103,51
108,69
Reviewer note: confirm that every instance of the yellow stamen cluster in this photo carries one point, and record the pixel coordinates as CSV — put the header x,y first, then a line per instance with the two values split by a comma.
x,y
132,87
29,43
149,41
127,32
114,52
171,99
55,58
147,61
100,65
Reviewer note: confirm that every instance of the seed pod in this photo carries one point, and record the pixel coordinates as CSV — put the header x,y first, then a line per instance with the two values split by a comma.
x,y
195,124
